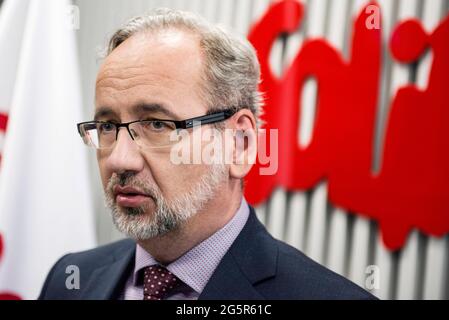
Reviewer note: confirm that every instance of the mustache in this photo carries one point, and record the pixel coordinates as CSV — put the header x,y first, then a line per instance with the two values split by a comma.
x,y
124,178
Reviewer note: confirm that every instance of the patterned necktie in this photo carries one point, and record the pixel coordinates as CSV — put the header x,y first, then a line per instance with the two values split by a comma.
x,y
158,283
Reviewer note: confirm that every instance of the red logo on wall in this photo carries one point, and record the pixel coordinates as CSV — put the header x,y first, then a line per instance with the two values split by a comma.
x,y
411,190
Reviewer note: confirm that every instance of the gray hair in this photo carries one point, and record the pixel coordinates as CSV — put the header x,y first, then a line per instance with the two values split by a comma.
x,y
231,70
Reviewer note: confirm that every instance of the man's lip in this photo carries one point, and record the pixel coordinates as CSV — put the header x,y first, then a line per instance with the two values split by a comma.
x,y
131,200
128,191
129,196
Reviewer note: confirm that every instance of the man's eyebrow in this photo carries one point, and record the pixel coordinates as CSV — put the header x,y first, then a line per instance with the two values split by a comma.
x,y
103,112
153,108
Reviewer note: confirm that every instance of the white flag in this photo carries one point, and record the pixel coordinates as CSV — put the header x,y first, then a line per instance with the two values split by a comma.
x,y
45,201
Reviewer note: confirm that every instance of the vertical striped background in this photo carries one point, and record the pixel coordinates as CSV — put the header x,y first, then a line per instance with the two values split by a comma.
x,y
344,243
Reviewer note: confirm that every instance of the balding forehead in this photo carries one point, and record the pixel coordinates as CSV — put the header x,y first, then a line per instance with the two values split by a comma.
x,y
162,67
177,51
144,44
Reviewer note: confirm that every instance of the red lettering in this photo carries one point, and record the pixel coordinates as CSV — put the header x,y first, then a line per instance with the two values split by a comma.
x,y
412,188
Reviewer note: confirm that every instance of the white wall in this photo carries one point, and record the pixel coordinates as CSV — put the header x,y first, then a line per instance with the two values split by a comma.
x,y
344,243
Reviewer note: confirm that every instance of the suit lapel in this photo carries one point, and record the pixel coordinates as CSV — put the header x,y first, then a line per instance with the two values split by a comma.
x,y
106,282
229,283
251,259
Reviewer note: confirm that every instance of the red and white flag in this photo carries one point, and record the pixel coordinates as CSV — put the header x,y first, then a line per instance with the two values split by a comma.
x,y
45,203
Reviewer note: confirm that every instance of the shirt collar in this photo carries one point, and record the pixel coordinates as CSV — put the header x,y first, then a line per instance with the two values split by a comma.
x,y
197,265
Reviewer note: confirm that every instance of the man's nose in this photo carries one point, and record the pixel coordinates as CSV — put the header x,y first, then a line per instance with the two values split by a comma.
x,y
125,155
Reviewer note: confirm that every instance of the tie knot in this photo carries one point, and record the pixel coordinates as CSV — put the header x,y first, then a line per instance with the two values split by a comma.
x,y
158,282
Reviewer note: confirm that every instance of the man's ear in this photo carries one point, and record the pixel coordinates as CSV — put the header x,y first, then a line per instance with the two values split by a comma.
x,y
244,143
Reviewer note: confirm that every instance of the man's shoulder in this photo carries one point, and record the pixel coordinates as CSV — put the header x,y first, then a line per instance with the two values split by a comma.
x,y
95,258
300,277
277,270
86,262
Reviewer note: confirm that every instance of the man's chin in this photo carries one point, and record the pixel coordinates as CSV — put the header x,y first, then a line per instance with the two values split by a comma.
x,y
142,231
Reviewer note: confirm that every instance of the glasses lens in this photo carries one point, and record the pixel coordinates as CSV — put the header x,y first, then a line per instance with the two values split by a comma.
x,y
154,133
89,134
106,134
98,135
147,134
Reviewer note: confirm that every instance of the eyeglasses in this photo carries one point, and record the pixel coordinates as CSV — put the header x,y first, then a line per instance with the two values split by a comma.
x,y
152,133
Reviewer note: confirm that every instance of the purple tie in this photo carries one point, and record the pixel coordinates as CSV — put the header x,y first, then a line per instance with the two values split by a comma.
x,y
158,283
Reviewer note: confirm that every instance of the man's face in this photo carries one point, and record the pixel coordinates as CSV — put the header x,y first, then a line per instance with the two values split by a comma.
x,y
148,194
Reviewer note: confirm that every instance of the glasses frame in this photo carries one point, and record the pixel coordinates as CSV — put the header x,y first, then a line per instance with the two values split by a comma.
x,y
179,124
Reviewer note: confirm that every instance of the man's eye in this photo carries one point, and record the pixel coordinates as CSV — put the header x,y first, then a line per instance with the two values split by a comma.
x,y
157,125
106,127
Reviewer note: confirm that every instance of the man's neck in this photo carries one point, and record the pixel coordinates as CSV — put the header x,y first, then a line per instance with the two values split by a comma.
x,y
214,216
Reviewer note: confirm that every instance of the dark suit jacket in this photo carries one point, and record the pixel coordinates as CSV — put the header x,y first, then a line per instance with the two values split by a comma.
x,y
257,266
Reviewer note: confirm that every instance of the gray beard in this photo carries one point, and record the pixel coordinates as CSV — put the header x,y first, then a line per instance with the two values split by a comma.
x,y
168,216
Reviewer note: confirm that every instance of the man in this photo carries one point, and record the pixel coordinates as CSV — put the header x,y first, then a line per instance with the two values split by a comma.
x,y
193,236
